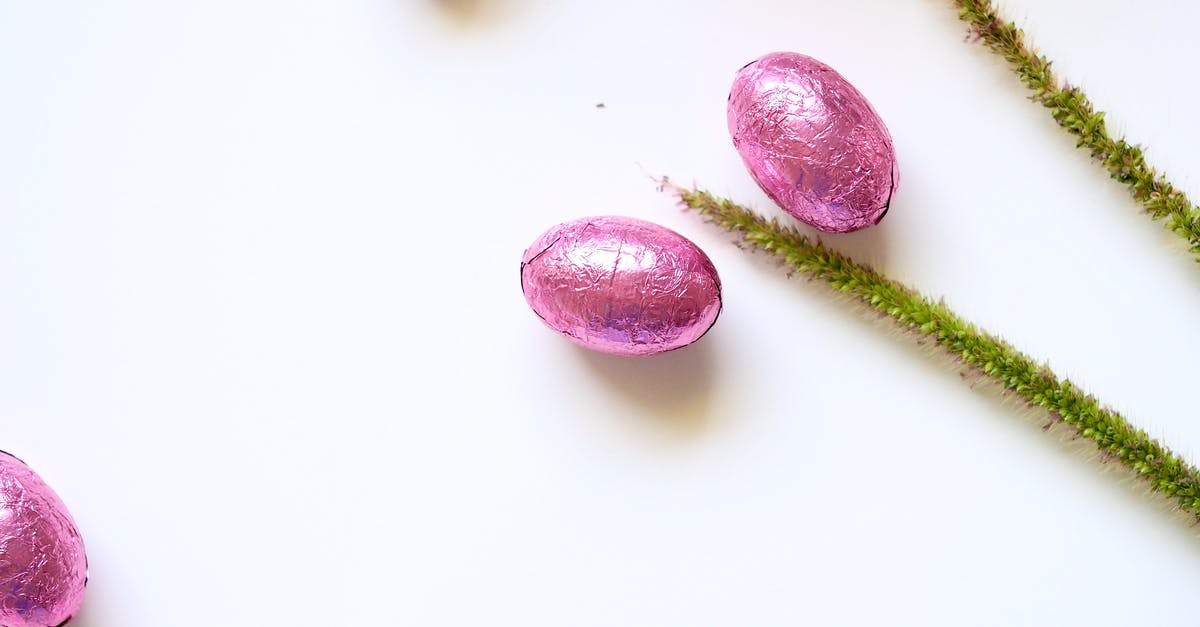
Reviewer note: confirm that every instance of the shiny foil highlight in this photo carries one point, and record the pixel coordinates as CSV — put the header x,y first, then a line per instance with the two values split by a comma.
x,y
812,142
621,285
43,569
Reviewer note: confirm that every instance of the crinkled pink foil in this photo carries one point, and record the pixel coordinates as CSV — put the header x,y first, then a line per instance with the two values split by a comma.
x,y
43,569
812,142
621,285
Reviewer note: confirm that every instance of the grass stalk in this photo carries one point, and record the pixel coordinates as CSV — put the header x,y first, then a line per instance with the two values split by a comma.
x,y
1075,113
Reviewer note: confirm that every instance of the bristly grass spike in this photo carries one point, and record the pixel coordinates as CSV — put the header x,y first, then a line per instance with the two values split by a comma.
x,y
1073,111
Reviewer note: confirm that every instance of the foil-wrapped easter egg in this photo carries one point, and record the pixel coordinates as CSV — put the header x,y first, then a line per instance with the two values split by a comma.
x,y
43,569
621,285
812,142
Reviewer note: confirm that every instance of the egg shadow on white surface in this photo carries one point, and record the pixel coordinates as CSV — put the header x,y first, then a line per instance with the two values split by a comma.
x,y
84,618
869,245
100,606
673,389
476,13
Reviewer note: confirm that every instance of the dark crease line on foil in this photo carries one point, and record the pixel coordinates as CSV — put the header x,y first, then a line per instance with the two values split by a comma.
x,y
535,258
887,206
548,247
720,310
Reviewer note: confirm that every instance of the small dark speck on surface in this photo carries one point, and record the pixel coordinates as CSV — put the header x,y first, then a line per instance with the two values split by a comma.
x,y
601,105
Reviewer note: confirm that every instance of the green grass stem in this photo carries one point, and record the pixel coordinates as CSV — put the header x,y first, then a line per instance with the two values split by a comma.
x,y
1074,112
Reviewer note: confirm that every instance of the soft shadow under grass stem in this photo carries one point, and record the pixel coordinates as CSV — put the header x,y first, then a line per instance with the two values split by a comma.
x,y
1019,374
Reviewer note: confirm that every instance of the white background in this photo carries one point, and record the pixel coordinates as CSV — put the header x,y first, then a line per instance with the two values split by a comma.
x,y
260,323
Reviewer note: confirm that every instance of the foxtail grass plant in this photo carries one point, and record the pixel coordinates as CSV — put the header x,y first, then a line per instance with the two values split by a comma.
x,y
1074,112
973,348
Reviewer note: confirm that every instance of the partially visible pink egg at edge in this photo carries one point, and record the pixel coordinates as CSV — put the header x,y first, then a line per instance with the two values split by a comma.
x,y
813,142
621,285
43,568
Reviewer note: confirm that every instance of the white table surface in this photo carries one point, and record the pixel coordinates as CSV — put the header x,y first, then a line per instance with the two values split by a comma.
x,y
260,322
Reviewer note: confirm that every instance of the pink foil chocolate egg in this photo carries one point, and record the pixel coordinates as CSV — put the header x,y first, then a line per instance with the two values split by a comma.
x,y
43,569
812,142
621,285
